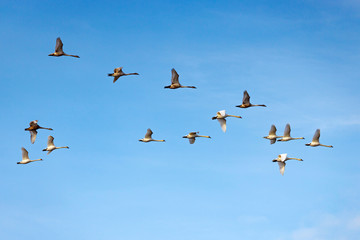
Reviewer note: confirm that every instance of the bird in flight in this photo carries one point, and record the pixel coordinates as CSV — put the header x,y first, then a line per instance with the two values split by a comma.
x,y
191,136
220,116
315,141
50,145
281,159
59,50
25,157
118,72
148,137
287,136
175,81
246,102
32,129
272,135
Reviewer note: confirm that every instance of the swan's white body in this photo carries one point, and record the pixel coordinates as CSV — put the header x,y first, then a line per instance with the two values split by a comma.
x,y
50,145
192,135
25,157
220,116
148,137
315,141
281,159
287,136
272,135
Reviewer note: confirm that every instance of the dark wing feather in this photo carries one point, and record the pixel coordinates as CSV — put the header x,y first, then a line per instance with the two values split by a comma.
x,y
246,98
59,45
174,76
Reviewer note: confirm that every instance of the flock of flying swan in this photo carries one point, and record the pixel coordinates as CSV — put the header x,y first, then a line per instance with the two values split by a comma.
x,y
220,116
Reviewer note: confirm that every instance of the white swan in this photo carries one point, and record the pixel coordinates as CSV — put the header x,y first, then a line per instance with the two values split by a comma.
x,y
287,136
272,135
148,137
315,141
191,136
59,50
118,72
32,129
25,157
246,102
175,81
220,116
281,159
50,145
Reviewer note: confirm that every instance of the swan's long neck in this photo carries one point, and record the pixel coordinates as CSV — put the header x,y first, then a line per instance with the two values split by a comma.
x,y
233,116
298,138
203,136
36,160
61,147
299,159
71,55
131,74
188,87
159,140
330,146
258,105
46,128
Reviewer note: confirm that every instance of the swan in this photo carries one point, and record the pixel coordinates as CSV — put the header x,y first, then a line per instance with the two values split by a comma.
x,y
287,136
32,129
315,141
50,145
220,116
272,135
25,157
191,136
59,50
175,81
246,102
118,72
148,137
281,159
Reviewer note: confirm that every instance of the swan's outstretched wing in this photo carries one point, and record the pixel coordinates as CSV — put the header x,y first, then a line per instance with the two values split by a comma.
x,y
272,130
25,154
282,167
174,76
283,157
246,98
221,113
316,136
118,70
287,130
33,134
222,122
59,45
50,142
191,140
148,133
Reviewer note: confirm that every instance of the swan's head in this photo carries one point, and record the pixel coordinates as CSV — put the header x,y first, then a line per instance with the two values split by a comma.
x,y
51,54
140,140
184,136
274,160
213,118
18,163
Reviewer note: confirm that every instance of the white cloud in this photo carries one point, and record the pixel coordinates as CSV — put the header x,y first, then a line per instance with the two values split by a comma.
x,y
330,227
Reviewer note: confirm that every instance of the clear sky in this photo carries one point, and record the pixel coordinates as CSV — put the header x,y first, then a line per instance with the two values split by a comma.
x,y
300,58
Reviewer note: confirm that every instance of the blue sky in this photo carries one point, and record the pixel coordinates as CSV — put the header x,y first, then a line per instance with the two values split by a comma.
x,y
300,58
